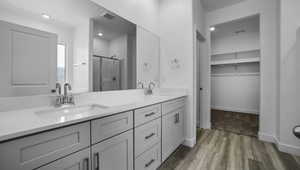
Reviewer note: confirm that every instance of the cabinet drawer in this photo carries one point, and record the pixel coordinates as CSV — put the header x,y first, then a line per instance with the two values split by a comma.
x,y
107,127
172,132
172,105
147,136
34,151
149,160
77,161
146,114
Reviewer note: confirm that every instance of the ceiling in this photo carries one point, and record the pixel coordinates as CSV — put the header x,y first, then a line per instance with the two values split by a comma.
x,y
248,24
211,5
70,12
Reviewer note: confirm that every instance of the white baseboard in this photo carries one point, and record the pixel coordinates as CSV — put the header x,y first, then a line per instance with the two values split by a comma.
x,y
267,137
189,142
252,111
206,125
294,150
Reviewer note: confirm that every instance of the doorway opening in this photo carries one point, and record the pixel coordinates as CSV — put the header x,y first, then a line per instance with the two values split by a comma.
x,y
235,76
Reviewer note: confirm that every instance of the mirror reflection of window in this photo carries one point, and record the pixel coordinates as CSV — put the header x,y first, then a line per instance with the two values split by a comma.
x,y
61,63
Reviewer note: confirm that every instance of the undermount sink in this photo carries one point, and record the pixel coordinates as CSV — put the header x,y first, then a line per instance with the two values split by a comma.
x,y
70,112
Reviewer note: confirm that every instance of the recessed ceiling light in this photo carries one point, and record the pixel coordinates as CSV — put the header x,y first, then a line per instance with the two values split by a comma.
x,y
212,28
100,34
45,16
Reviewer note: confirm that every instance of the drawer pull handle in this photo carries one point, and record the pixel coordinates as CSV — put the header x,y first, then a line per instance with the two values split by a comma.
x,y
149,136
86,164
96,161
150,114
149,163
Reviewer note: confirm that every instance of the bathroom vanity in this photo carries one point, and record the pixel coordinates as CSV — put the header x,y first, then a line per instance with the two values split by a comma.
x,y
140,135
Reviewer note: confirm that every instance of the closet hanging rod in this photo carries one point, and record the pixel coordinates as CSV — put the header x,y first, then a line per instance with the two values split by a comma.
x,y
106,57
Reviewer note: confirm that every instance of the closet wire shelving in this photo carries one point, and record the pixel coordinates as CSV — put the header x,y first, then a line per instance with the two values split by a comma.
x,y
235,59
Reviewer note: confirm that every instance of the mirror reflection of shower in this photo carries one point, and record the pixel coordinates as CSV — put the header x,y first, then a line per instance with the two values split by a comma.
x,y
114,53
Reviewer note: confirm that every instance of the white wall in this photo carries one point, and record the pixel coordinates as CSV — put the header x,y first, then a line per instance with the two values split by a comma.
x,y
235,93
148,57
229,44
101,47
269,58
176,36
289,75
81,58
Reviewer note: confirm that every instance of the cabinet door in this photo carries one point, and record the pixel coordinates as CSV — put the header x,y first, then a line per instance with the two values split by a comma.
x,y
172,132
76,161
27,60
115,153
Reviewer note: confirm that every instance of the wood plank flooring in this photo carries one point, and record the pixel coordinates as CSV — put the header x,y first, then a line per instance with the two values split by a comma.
x,y
240,123
220,150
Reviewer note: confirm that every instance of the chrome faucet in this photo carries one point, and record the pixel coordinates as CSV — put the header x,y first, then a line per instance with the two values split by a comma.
x,y
65,99
68,98
149,90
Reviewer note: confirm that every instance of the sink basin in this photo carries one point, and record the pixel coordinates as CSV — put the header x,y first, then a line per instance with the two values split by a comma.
x,y
70,113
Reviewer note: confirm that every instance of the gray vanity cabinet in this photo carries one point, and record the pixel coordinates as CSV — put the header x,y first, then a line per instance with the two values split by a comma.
x,y
77,161
115,153
172,127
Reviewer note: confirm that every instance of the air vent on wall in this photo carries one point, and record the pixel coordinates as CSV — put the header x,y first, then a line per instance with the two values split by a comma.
x,y
239,31
108,16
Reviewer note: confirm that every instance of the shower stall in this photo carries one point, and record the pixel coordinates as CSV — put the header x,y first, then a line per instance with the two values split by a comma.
x,y
106,73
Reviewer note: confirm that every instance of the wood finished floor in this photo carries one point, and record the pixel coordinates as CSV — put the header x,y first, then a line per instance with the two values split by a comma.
x,y
240,123
220,150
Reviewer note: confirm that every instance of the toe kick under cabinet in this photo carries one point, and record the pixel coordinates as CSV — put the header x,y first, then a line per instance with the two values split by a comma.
x,y
135,140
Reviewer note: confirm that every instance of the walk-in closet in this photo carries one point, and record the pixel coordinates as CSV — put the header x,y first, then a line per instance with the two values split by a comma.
x,y
235,76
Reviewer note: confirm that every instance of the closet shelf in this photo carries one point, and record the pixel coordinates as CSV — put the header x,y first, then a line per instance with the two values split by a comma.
x,y
234,52
234,74
236,61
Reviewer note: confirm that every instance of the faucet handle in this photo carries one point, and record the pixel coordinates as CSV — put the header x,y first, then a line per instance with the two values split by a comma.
x,y
140,85
151,85
58,86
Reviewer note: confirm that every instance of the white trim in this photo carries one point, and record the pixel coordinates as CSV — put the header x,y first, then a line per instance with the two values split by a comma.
x,y
288,148
294,150
206,125
190,142
267,137
252,111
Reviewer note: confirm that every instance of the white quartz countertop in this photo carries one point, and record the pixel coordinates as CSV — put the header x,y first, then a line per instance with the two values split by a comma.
x,y
18,123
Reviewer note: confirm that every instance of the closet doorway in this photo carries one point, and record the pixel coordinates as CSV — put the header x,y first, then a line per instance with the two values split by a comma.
x,y
235,76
